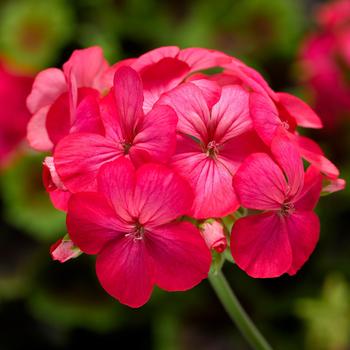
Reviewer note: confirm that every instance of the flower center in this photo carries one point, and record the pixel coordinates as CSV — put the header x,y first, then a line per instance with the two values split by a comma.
x,y
137,232
287,209
212,149
126,145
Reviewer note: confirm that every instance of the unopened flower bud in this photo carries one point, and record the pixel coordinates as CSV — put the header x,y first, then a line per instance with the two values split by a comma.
x,y
64,249
213,234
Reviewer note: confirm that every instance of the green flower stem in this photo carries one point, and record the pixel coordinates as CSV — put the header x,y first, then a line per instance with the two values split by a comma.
x,y
236,312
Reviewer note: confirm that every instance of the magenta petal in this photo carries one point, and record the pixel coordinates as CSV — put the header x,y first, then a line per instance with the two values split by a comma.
x,y
160,195
260,183
47,87
264,115
128,93
92,222
310,194
198,58
211,182
181,257
125,271
230,114
312,152
79,156
303,229
87,66
157,134
260,245
116,180
288,157
87,118
299,110
191,108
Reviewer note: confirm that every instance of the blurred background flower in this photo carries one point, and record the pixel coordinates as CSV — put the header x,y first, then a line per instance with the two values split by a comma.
x,y
50,306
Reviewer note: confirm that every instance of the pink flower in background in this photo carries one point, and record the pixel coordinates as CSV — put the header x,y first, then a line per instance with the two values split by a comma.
x,y
128,133
56,94
325,63
130,224
214,137
14,114
282,238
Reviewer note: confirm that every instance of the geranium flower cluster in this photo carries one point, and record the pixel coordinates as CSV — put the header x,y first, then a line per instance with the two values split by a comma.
x,y
150,155
325,62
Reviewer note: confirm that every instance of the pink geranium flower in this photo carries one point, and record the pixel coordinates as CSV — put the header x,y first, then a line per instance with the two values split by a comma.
x,y
57,93
130,224
128,133
213,233
14,114
214,136
280,239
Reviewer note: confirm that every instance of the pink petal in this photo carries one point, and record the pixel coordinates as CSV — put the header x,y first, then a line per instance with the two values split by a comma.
x,y
303,229
210,90
116,180
160,195
264,115
157,134
260,245
78,157
125,271
87,66
213,233
260,183
300,111
92,222
199,59
333,185
230,115
87,118
155,56
60,199
161,77
211,182
288,157
47,87
128,93
37,135
310,194
181,258
58,121
191,108
310,150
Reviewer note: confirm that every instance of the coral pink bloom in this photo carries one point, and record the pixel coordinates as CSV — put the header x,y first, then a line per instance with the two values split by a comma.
x,y
269,117
164,68
14,114
130,225
214,136
282,238
129,133
57,93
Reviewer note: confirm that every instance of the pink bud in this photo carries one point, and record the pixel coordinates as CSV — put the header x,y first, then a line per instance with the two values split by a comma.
x,y
213,234
333,185
64,249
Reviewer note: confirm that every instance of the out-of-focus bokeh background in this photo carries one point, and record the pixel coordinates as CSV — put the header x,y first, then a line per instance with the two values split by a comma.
x,y
46,305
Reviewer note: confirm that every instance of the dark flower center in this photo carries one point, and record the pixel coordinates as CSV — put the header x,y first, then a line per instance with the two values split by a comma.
x,y
126,145
212,149
287,209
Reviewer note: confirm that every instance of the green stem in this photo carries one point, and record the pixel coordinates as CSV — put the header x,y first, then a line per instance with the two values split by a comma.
x,y
236,312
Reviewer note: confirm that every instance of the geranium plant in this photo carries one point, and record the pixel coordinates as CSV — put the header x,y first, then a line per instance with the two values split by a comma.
x,y
158,164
